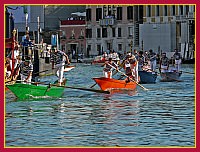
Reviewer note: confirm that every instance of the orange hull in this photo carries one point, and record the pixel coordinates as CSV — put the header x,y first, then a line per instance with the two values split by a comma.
x,y
107,84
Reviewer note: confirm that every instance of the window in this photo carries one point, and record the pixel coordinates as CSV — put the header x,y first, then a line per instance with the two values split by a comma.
x,y
119,13
119,47
98,14
157,10
119,32
130,31
109,10
187,9
113,32
181,9
88,33
136,12
149,11
88,14
141,13
99,49
98,32
165,10
104,32
130,12
173,10
88,50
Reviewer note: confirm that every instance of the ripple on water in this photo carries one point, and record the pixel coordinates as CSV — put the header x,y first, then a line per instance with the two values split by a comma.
x,y
162,116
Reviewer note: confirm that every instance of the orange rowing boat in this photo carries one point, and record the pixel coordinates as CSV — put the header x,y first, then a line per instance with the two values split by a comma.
x,y
108,84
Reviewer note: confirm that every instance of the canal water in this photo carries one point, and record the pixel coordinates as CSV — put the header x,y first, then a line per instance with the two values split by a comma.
x,y
162,116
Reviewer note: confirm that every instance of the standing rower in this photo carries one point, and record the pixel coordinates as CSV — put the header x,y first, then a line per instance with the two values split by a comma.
x,y
177,57
59,62
131,68
107,71
164,63
152,58
141,59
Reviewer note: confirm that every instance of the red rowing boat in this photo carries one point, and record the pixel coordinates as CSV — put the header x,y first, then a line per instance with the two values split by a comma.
x,y
108,84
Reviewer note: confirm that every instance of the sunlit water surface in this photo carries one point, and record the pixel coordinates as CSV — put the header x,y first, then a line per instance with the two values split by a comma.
x,y
161,116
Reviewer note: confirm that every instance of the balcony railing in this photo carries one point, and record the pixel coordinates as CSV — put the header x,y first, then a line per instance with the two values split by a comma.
x,y
107,22
191,15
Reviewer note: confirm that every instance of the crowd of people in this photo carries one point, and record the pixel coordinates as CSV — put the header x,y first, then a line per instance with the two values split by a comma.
x,y
141,61
132,62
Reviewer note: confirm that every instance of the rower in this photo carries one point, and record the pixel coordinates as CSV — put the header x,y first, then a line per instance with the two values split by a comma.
x,y
141,60
177,57
131,66
127,67
7,68
26,69
59,61
107,71
152,58
105,55
164,63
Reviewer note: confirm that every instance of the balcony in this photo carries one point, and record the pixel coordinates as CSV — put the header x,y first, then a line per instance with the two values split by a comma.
x,y
180,18
107,22
191,15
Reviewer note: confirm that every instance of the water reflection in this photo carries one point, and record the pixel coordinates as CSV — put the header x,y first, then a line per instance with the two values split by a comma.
x,y
123,91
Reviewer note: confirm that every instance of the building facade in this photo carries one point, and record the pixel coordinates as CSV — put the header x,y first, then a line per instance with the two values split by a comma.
x,y
123,28
72,35
166,27
112,28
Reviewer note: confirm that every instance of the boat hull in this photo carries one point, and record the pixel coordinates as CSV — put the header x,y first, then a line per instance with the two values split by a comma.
x,y
108,84
27,91
170,76
147,77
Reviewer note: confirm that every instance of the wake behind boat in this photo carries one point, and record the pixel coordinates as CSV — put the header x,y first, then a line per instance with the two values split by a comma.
x,y
170,76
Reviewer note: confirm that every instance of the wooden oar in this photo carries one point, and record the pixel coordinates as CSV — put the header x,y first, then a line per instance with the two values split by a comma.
x,y
129,77
85,89
187,72
44,75
40,72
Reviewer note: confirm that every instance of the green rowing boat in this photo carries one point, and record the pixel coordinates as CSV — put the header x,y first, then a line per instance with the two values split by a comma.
x,y
27,91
